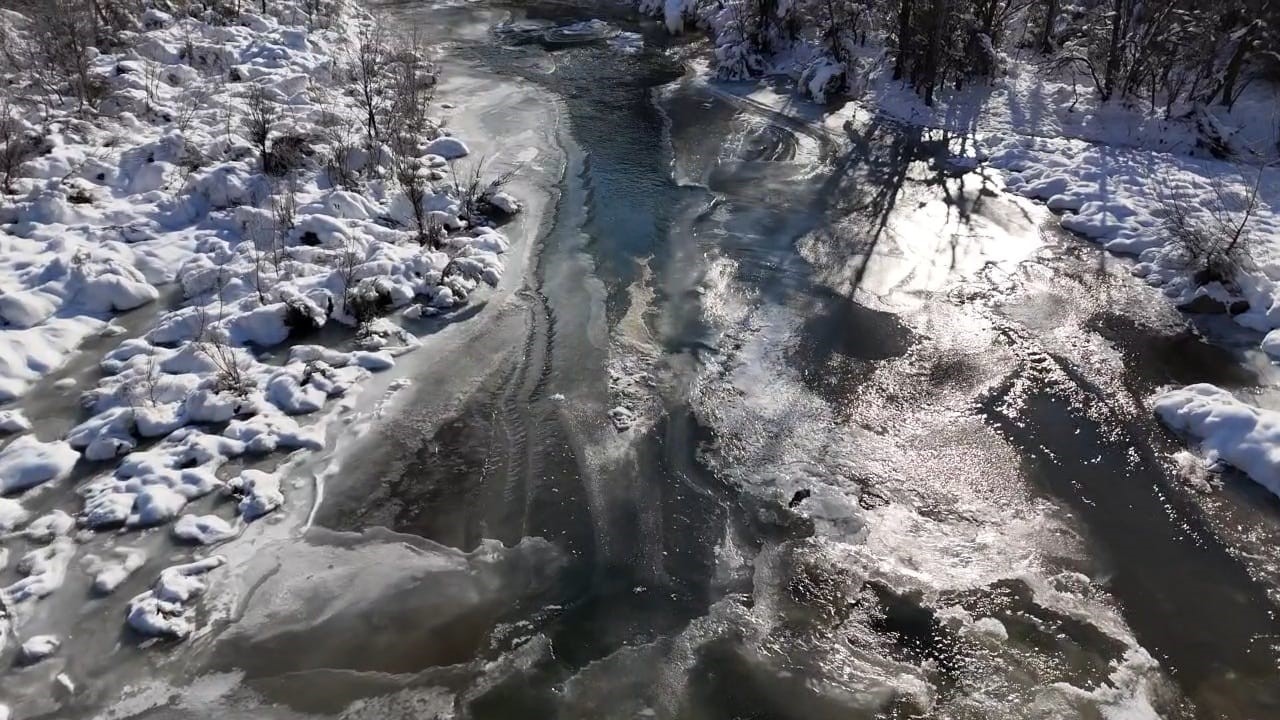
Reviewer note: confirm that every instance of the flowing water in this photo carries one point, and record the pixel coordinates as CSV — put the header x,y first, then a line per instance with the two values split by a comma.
x,y
786,417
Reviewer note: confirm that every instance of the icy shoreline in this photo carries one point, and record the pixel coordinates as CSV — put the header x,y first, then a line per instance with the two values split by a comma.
x,y
288,282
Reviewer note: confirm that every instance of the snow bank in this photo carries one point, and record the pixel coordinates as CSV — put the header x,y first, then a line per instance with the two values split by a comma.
x,y
1244,436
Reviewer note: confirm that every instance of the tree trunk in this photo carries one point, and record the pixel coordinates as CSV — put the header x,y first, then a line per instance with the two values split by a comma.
x,y
92,7
933,59
904,38
1050,19
1113,50
1232,74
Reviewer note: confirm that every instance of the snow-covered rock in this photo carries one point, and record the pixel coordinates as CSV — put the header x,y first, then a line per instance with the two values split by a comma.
x,y
27,462
448,148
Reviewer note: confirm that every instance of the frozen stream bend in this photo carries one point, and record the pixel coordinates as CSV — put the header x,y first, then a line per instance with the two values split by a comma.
x,y
789,420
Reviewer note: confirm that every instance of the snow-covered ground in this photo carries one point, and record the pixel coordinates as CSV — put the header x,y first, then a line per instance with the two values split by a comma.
x,y
163,188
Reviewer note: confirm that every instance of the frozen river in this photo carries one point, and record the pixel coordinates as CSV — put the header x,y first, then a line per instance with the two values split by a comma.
x,y
786,416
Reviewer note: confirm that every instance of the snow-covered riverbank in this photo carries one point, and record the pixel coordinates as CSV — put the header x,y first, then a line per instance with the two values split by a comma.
x,y
229,158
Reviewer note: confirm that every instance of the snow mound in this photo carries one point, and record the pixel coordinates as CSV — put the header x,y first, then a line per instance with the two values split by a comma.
x,y
165,610
11,514
1244,436
448,148
38,648
26,462
203,529
260,493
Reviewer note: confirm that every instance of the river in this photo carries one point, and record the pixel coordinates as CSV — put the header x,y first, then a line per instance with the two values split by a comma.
x,y
787,416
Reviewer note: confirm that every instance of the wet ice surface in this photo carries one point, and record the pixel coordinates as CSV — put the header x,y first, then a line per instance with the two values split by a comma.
x,y
887,451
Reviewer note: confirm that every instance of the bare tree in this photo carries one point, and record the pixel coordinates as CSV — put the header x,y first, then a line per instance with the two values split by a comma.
x,y
261,120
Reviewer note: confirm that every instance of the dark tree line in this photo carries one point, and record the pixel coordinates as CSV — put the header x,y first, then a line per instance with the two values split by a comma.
x,y
1172,54
1169,53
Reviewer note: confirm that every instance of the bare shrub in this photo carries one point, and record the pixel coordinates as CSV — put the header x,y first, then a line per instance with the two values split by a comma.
x,y
287,153
15,146
261,121
366,303
1216,243
56,56
230,375
411,176
337,135
369,76
471,191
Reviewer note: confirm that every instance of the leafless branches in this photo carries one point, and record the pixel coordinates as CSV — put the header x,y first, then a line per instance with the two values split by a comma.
x,y
1215,242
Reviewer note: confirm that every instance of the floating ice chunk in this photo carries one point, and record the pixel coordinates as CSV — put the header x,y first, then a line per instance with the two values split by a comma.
x,y
165,609
318,353
622,418
489,241
260,493
988,629
1271,344
38,648
13,421
116,423
27,462
448,148
158,420
11,514
209,406
28,308
263,326
203,529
